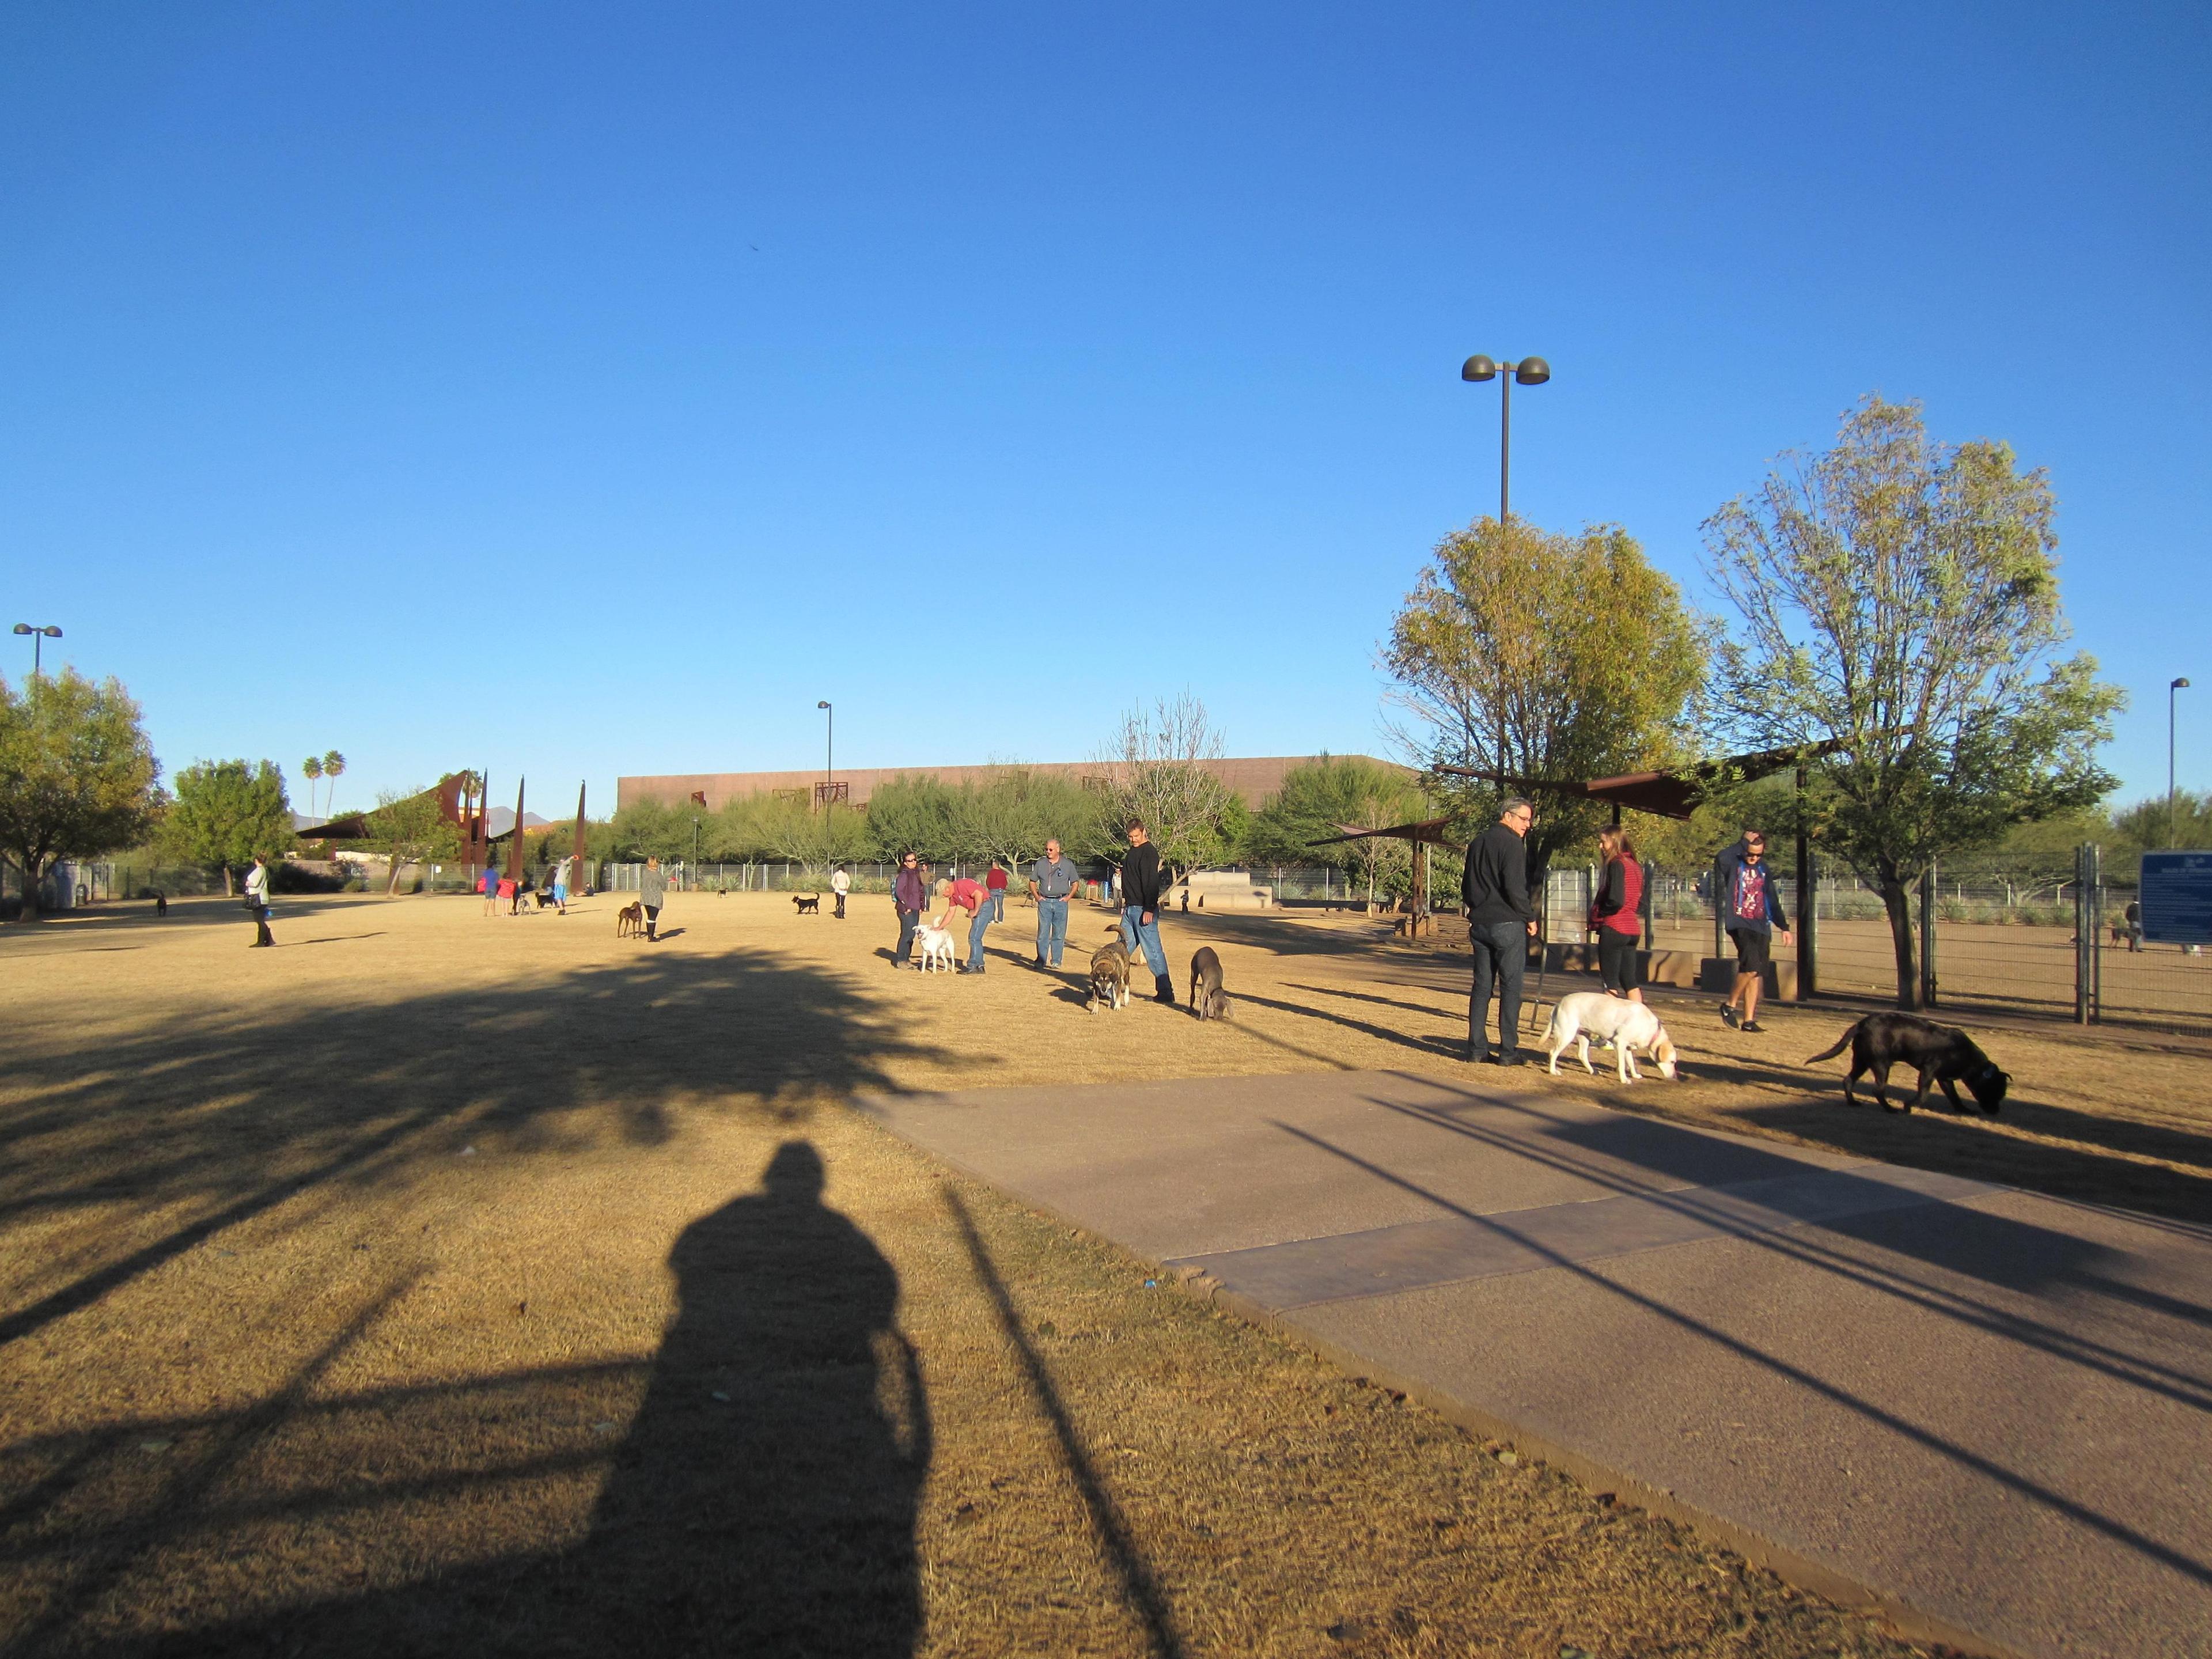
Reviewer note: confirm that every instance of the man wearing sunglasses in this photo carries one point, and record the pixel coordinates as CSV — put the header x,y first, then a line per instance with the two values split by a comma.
x,y
1744,889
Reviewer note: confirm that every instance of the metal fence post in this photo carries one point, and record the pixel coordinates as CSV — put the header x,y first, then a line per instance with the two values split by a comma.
x,y
1927,935
2084,860
2095,932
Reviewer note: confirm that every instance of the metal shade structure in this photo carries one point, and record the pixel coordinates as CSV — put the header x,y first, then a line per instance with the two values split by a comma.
x,y
1429,831
1422,835
1664,794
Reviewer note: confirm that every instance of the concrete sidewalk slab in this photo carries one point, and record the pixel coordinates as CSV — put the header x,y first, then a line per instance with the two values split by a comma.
x,y
1987,1408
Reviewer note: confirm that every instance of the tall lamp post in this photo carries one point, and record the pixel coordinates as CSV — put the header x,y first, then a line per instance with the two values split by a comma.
x,y
829,754
1529,371
2172,686
38,637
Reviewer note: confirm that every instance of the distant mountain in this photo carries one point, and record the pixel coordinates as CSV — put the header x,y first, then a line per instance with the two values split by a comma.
x,y
502,819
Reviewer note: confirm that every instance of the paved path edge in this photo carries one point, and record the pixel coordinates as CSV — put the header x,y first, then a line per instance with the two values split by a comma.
x,y
1906,1620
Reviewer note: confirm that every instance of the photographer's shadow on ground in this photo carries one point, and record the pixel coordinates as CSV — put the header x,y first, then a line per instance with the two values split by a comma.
x,y
762,1502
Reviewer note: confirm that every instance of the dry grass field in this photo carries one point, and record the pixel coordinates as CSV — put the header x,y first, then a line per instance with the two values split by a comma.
x,y
438,1283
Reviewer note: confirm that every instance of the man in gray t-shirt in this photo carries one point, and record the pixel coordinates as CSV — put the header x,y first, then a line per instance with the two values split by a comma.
x,y
1052,878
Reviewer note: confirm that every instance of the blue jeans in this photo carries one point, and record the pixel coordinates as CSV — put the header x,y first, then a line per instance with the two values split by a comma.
x,y
909,920
998,898
1134,932
975,935
1501,953
1052,930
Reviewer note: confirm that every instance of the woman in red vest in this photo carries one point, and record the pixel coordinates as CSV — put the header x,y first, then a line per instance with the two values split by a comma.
x,y
1617,915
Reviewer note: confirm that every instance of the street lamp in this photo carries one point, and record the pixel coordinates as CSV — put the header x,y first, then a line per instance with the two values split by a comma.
x,y
829,754
2172,686
1529,371
38,637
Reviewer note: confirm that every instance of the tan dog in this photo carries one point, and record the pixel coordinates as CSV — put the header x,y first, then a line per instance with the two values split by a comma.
x,y
1109,976
629,920
1626,1025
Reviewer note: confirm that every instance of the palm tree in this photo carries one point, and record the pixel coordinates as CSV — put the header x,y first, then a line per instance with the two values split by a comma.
x,y
333,765
311,768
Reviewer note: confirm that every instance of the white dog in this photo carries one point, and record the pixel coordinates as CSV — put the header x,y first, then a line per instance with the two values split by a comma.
x,y
1627,1026
936,944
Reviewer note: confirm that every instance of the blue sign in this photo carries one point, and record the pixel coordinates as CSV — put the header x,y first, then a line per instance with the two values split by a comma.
x,y
2177,898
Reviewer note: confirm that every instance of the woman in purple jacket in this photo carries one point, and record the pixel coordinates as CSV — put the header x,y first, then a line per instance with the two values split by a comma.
x,y
909,895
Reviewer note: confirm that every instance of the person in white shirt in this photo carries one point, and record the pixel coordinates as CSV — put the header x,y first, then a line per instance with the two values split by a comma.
x,y
257,901
840,883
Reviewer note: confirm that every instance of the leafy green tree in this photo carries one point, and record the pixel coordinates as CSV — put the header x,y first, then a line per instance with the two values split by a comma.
x,y
651,828
1011,816
1321,799
916,814
2183,820
226,812
413,829
76,773
1900,597
814,839
1526,654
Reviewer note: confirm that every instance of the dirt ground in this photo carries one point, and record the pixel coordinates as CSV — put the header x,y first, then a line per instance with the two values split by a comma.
x,y
438,1282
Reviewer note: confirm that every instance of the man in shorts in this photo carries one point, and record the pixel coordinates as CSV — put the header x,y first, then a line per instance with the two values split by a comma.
x,y
1751,910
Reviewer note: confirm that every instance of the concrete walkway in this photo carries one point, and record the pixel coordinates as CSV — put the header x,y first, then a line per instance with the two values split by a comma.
x,y
1990,1411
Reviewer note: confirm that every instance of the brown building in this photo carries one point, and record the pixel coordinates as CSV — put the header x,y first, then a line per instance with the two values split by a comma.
x,y
1257,780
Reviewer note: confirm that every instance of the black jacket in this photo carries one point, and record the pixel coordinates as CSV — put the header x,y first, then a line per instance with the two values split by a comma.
x,y
1140,878
1495,887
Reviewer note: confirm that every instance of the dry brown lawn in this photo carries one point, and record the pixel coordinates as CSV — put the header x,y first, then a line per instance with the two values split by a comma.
x,y
437,1283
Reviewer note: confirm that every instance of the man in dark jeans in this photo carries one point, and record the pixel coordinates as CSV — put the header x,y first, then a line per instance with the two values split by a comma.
x,y
909,895
1500,922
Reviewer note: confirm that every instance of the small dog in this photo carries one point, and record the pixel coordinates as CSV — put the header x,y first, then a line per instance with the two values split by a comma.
x,y
807,904
629,920
160,904
1109,976
1940,1053
1207,999
937,953
1627,1026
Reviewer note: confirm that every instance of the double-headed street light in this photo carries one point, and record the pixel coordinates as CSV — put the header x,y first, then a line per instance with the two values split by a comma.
x,y
38,637
1529,371
829,754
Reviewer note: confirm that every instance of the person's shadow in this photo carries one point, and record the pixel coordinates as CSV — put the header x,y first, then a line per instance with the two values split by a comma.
x,y
764,1500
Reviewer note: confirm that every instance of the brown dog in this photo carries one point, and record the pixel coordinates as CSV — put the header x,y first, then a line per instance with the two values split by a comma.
x,y
1110,975
629,920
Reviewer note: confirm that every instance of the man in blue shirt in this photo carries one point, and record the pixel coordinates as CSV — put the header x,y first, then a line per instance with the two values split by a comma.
x,y
1752,909
1052,878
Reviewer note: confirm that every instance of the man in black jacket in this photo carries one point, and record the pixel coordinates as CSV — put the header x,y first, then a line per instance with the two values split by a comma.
x,y
1500,921
1141,908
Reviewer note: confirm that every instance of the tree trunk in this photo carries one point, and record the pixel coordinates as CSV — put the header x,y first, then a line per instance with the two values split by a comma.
x,y
1896,902
398,863
228,890
32,870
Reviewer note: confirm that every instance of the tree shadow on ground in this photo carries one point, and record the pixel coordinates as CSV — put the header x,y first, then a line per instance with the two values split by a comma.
x,y
127,1157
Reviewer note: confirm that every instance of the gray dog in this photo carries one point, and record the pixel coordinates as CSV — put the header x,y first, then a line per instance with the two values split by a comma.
x,y
1207,999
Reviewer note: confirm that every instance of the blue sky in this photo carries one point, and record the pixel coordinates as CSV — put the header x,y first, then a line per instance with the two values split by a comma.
x,y
583,390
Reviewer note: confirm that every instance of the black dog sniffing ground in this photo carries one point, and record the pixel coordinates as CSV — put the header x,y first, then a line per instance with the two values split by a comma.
x,y
1940,1053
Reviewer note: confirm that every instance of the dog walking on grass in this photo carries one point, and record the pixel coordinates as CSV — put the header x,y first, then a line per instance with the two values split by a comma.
x,y
1940,1053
